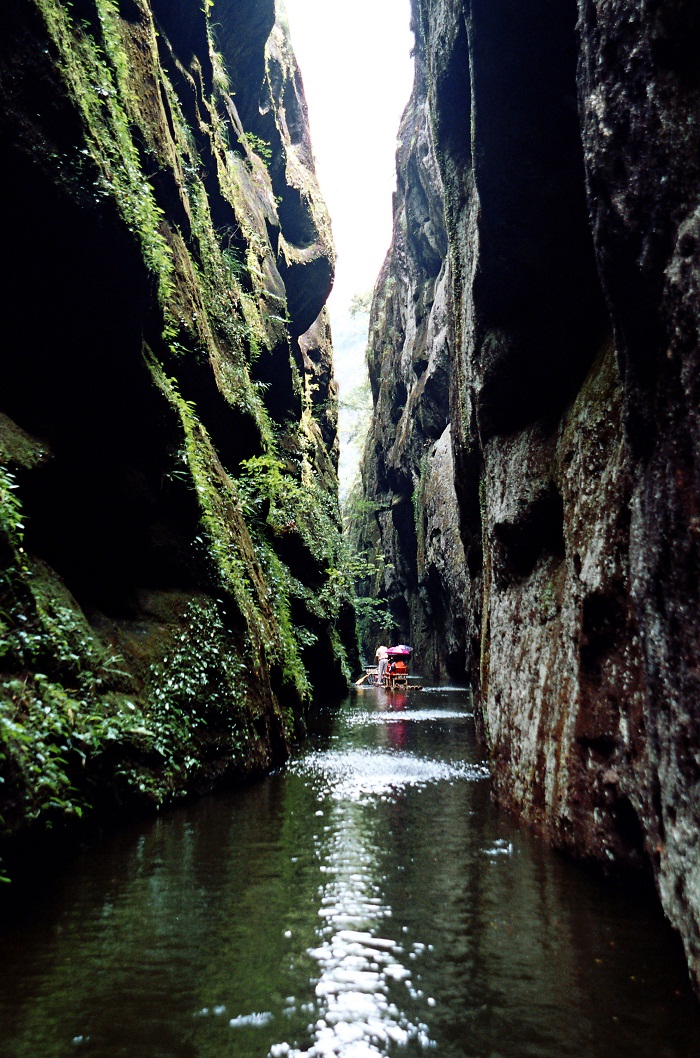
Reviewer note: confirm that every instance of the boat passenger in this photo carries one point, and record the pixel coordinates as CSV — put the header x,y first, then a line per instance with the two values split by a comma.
x,y
396,670
382,657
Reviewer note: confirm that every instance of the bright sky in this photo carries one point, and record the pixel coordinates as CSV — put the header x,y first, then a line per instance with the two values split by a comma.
x,y
355,62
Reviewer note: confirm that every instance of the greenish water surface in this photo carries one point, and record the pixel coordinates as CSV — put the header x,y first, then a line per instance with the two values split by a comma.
x,y
368,900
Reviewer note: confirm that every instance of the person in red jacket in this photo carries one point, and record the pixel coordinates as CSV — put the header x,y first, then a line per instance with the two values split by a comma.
x,y
396,670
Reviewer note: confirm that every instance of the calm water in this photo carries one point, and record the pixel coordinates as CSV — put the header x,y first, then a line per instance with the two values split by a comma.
x,y
366,901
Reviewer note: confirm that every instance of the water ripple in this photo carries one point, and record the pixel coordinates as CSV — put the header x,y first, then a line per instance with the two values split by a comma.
x,y
359,719
361,986
362,774
358,1019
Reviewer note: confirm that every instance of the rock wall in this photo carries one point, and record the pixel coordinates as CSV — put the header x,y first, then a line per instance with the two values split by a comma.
x,y
639,100
409,516
169,529
566,140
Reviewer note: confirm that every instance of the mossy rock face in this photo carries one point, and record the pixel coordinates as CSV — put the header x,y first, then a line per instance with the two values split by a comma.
x,y
167,432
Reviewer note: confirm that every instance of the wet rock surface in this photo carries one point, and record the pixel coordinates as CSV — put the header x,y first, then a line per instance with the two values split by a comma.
x,y
410,516
168,485
639,100
566,142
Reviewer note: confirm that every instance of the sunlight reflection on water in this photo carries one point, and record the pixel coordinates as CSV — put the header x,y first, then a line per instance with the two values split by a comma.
x,y
398,717
362,774
361,971
365,901
363,981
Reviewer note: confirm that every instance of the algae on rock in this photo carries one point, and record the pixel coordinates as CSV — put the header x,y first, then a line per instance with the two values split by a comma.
x,y
170,531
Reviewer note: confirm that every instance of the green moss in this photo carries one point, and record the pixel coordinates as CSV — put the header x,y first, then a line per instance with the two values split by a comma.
x,y
98,82
293,637
244,521
279,506
78,719
221,519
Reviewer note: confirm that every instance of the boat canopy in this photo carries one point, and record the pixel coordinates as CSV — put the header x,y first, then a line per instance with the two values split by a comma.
x,y
401,651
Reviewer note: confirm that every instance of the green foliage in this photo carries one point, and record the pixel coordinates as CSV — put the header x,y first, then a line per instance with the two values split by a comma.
x,y
201,681
361,304
371,609
58,698
262,483
279,506
367,565
224,533
232,313
234,264
56,728
372,614
547,601
68,705
293,636
100,84
12,530
201,673
58,638
259,146
11,523
37,736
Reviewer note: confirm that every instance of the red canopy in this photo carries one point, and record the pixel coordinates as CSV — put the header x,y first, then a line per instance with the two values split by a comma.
x,y
401,651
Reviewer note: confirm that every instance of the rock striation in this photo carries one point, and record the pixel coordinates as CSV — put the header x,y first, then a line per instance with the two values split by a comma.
x,y
566,142
169,528
409,517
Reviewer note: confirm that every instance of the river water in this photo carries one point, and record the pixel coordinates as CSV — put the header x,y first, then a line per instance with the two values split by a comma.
x,y
367,900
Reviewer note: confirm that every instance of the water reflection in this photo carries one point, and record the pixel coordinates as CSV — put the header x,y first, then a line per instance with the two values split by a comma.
x,y
366,902
358,1002
363,979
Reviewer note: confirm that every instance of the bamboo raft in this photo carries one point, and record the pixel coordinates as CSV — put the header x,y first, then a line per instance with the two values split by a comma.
x,y
370,678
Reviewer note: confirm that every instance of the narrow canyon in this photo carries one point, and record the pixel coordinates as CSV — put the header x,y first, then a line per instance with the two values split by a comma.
x,y
176,591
